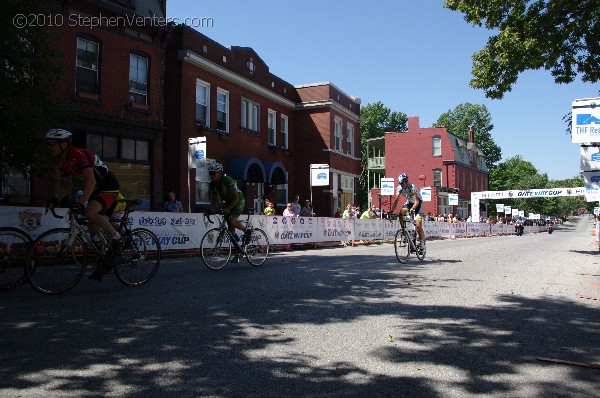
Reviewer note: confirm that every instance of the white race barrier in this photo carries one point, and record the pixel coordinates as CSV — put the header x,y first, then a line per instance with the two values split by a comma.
x,y
184,231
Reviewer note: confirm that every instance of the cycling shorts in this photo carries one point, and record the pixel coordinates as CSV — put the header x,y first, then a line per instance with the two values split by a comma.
x,y
105,198
409,205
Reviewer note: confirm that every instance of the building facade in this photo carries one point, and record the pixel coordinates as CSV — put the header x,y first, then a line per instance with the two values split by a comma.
x,y
114,79
432,157
265,131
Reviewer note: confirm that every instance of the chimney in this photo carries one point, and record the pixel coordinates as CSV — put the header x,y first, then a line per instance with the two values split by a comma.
x,y
413,123
471,135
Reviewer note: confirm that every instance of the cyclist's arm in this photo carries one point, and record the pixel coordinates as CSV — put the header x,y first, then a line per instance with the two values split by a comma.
x,y
89,182
395,203
416,201
235,198
66,183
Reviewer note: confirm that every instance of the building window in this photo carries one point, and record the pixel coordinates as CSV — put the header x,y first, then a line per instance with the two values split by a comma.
x,y
350,139
437,177
338,134
222,110
202,103
87,66
138,79
272,140
437,146
250,112
284,131
115,148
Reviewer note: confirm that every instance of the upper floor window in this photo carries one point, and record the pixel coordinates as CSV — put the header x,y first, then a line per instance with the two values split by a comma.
x,y
250,112
437,146
284,131
338,134
222,110
350,139
138,79
202,103
272,127
437,177
88,53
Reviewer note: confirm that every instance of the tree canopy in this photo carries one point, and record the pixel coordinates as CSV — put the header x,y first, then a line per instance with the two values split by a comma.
x,y
376,120
560,36
28,105
458,120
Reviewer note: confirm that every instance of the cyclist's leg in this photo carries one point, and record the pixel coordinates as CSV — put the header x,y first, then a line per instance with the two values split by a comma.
x,y
98,203
419,221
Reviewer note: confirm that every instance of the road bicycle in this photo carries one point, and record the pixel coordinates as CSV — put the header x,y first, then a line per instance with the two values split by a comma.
x,y
59,257
14,246
405,240
219,245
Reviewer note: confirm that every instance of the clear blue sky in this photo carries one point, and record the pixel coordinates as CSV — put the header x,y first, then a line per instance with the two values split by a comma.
x,y
412,55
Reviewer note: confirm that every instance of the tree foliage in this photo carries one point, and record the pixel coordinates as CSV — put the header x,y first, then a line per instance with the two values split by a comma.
x,y
376,120
28,73
560,36
517,173
458,120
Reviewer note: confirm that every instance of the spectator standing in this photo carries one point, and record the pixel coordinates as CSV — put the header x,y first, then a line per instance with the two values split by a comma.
x,y
307,209
296,208
172,204
289,211
269,208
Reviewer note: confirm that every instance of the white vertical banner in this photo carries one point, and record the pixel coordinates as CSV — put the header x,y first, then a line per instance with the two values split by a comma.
x,y
319,175
387,186
426,194
499,208
507,210
585,125
453,199
197,151
515,212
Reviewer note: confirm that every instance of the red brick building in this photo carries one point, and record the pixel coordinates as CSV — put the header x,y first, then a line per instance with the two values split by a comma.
x,y
433,157
114,78
265,131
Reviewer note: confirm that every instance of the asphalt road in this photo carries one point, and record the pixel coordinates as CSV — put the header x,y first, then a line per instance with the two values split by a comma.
x,y
473,319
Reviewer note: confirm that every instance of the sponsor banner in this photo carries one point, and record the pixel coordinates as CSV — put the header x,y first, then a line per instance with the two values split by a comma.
x,y
335,229
426,194
499,208
319,175
387,187
32,220
507,209
390,227
459,228
515,212
432,228
529,193
590,157
585,125
368,229
476,228
286,230
453,199
175,231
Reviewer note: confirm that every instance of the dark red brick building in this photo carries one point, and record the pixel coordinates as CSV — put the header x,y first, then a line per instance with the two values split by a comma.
x,y
113,65
264,130
433,157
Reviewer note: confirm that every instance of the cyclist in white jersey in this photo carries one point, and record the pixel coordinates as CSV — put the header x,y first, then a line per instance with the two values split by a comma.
x,y
413,204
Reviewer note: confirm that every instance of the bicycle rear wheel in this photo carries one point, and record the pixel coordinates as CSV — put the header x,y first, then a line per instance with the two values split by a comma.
x,y
257,250
215,248
402,246
56,261
14,246
139,258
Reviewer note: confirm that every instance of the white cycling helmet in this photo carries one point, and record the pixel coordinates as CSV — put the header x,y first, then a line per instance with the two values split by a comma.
x,y
59,135
216,166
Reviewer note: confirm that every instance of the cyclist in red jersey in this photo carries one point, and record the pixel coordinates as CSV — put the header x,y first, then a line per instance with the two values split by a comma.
x,y
101,187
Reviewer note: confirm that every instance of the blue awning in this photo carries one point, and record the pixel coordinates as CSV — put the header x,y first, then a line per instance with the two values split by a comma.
x,y
246,169
276,173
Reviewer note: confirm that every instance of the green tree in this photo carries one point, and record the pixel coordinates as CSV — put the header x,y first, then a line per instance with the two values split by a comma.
x,y
560,36
28,106
458,120
376,120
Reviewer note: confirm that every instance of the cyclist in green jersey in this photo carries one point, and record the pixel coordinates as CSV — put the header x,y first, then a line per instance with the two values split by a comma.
x,y
223,188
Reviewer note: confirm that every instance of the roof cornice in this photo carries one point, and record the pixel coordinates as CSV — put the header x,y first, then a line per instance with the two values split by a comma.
x,y
329,104
201,62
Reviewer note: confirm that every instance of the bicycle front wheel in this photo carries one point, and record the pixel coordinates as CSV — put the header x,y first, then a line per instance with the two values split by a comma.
x,y
139,259
402,246
257,250
14,246
215,248
56,261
